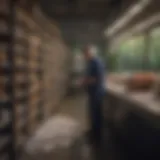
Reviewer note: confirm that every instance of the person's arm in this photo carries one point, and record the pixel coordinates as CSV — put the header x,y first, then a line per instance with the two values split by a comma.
x,y
89,80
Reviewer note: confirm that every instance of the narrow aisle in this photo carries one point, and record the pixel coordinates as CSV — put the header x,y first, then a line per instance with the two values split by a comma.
x,y
76,107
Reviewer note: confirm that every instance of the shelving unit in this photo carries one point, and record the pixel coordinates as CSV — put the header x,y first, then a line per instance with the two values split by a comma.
x,y
30,83
21,83
34,81
7,70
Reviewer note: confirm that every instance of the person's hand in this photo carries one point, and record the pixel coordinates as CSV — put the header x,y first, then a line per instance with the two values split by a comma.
x,y
87,81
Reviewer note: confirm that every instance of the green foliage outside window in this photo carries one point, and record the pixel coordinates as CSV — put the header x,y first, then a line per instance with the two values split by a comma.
x,y
131,54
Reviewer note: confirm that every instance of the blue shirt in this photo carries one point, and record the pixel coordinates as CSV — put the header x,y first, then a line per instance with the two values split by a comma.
x,y
95,69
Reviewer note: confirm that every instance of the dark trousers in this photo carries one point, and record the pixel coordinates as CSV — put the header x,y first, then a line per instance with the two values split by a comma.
x,y
96,117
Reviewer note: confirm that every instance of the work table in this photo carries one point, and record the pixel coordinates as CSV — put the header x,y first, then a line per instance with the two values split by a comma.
x,y
143,103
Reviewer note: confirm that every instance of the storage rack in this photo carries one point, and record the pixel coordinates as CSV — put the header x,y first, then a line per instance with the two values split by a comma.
x,y
30,78
40,115
34,70
21,83
34,81
7,70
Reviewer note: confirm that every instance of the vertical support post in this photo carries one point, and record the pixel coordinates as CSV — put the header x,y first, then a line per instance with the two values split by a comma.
x,y
10,56
41,103
106,44
106,52
102,46
69,68
147,45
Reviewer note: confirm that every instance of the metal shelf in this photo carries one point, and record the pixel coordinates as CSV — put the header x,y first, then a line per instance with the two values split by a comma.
x,y
3,16
4,144
6,70
26,70
6,129
4,103
4,37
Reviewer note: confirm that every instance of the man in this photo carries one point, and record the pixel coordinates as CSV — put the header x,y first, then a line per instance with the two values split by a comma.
x,y
94,83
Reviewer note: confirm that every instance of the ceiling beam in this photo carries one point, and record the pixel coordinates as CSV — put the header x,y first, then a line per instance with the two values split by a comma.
x,y
150,10
149,23
127,17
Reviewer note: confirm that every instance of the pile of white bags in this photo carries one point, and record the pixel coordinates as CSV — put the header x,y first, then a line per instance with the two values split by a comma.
x,y
57,140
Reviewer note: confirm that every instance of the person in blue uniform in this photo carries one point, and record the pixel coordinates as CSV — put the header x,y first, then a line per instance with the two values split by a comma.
x,y
94,83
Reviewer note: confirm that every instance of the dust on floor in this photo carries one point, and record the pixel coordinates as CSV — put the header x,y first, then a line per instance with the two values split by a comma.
x,y
76,107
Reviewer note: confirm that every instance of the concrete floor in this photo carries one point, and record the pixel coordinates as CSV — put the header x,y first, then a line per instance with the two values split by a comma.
x,y
75,107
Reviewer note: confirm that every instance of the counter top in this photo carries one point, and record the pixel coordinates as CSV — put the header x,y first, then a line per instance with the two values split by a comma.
x,y
144,101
